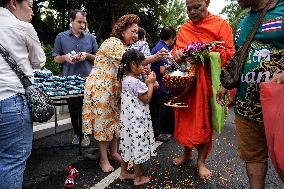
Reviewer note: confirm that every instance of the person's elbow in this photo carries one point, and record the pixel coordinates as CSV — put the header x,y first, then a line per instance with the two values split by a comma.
x,y
39,62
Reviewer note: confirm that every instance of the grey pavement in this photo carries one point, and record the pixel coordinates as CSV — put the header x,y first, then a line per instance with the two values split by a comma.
x,y
46,167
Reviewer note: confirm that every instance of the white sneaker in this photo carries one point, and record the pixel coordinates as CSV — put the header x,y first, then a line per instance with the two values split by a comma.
x,y
85,141
75,139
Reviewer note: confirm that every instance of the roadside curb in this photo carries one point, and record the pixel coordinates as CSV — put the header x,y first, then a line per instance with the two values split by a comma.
x,y
47,129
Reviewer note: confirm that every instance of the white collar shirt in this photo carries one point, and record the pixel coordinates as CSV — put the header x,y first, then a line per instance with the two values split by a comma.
x,y
21,41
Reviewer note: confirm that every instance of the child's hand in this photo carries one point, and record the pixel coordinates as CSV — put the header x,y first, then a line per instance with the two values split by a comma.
x,y
151,79
146,70
156,85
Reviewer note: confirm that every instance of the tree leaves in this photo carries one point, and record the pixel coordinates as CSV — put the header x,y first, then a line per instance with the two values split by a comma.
x,y
101,15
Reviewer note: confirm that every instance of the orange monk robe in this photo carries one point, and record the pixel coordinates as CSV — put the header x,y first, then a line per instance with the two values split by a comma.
x,y
193,125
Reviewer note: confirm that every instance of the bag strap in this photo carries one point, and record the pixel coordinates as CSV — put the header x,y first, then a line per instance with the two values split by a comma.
x,y
244,47
15,67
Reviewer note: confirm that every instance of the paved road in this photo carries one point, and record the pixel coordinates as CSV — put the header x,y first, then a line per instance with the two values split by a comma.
x,y
46,167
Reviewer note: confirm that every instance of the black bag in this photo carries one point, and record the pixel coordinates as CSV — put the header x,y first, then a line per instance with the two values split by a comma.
x,y
41,106
231,74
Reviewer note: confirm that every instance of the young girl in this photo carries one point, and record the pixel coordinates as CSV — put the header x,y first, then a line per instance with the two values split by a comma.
x,y
137,142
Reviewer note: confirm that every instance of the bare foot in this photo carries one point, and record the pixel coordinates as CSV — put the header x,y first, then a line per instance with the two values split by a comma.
x,y
203,172
181,160
106,166
116,157
141,180
126,176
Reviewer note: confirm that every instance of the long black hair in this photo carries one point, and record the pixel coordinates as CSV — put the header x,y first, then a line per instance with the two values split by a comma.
x,y
131,55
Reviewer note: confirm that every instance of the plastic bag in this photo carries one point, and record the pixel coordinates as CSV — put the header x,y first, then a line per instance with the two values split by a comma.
x,y
272,102
219,113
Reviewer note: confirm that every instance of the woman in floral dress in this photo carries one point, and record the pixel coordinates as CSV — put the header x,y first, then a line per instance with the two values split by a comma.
x,y
101,106
102,91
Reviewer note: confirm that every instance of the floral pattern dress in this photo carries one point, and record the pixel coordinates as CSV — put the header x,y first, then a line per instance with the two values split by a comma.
x,y
137,141
102,92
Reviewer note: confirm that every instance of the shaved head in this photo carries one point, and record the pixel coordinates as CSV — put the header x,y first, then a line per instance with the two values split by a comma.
x,y
197,9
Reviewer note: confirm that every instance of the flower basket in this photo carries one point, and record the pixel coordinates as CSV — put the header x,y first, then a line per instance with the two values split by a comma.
x,y
178,82
180,77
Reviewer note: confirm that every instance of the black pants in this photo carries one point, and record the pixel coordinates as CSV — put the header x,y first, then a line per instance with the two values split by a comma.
x,y
157,109
75,110
168,121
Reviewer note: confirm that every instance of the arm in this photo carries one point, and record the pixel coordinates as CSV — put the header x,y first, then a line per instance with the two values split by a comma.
x,y
146,97
36,53
63,58
155,57
87,56
150,59
220,96
57,52
150,81
90,56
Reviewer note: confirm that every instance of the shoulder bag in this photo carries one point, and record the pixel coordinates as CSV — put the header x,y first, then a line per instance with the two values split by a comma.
x,y
231,74
41,106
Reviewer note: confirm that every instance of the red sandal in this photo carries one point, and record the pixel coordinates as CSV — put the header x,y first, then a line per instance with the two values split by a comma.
x,y
69,182
72,171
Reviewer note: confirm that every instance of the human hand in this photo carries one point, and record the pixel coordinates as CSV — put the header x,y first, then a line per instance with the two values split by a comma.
x,y
156,85
82,56
68,58
146,70
151,78
278,78
162,54
220,96
179,56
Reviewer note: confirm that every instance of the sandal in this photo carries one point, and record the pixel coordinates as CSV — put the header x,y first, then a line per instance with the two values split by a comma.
x,y
69,182
72,171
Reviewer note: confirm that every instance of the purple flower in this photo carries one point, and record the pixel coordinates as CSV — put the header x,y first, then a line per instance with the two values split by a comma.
x,y
195,47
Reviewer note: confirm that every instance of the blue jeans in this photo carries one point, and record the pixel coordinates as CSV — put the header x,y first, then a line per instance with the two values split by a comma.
x,y
16,135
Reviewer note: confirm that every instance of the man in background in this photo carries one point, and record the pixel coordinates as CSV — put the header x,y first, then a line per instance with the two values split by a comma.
x,y
84,45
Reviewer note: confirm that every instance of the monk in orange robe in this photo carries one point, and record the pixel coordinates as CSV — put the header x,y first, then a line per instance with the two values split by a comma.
x,y
193,126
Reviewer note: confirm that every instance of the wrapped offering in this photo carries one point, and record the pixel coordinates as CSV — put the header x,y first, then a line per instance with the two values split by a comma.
x,y
57,85
75,56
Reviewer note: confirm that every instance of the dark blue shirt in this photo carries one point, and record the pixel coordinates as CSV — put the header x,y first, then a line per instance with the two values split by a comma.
x,y
66,42
155,66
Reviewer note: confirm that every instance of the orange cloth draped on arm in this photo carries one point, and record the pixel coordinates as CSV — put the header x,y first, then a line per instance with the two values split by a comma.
x,y
193,124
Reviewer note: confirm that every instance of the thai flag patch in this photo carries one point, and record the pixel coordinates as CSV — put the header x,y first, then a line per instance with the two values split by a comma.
x,y
272,25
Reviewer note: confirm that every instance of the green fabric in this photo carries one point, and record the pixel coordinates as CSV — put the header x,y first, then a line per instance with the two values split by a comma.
x,y
263,61
219,113
272,37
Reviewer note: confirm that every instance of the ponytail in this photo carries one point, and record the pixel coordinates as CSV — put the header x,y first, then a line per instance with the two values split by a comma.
x,y
120,71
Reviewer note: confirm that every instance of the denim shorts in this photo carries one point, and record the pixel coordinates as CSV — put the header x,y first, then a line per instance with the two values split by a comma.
x,y
15,140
